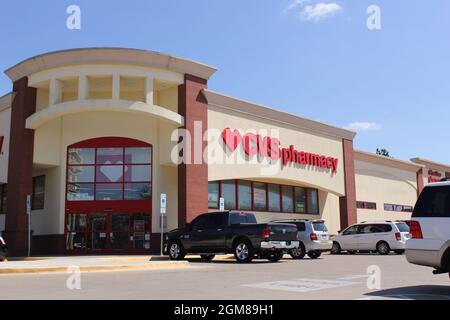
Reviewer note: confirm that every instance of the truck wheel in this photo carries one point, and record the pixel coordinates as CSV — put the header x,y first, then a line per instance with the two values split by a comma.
x,y
176,251
314,254
243,251
207,257
298,253
383,248
336,248
274,256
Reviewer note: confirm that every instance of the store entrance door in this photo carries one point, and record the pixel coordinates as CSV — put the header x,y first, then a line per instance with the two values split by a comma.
x,y
108,233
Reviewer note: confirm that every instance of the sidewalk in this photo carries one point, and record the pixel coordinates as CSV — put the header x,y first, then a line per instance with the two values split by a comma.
x,y
94,263
87,264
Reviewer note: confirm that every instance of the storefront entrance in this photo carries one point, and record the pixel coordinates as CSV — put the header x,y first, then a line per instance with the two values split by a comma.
x,y
111,233
109,197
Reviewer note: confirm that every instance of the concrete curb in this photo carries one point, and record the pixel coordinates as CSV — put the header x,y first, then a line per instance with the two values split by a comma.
x,y
163,258
60,269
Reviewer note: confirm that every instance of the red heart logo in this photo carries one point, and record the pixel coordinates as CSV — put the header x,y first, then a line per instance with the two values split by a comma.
x,y
231,138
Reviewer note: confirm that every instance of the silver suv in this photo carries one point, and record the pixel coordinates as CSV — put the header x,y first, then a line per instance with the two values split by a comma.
x,y
376,236
313,236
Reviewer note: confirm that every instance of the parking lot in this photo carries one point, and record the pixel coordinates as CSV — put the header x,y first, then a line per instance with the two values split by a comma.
x,y
330,277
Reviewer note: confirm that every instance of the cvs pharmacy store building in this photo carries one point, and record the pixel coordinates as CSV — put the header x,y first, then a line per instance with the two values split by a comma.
x,y
87,140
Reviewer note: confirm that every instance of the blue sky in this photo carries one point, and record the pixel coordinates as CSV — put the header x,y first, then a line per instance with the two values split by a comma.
x,y
314,58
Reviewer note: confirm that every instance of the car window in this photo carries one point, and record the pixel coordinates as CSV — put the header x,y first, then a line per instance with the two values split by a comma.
x,y
216,220
366,228
240,218
301,226
351,230
433,202
200,221
320,226
380,228
402,227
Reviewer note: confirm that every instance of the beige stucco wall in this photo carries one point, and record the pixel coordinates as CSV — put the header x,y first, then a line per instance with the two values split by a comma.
x,y
384,184
52,140
221,118
5,124
330,186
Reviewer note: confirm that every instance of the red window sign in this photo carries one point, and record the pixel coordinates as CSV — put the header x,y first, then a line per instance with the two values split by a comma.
x,y
434,176
1,143
255,144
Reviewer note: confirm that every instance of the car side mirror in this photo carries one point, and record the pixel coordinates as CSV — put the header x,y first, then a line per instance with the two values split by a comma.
x,y
339,232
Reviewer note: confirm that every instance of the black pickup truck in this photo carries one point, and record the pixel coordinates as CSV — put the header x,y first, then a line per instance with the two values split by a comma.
x,y
231,232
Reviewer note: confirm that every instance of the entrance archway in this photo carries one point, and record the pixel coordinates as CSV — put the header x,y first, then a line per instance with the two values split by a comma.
x,y
108,196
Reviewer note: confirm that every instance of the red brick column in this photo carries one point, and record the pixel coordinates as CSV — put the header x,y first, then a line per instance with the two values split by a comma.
x,y
192,178
419,182
20,167
347,204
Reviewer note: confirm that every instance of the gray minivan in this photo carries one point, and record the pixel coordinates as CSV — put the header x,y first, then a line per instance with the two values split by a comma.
x,y
313,236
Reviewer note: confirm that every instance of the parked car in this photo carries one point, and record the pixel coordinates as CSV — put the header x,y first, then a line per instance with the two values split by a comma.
x,y
3,249
313,238
430,229
382,237
231,232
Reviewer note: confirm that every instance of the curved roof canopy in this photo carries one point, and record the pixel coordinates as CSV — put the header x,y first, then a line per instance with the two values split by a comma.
x,y
109,56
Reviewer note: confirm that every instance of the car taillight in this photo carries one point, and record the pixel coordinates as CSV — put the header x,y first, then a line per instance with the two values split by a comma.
x,y
313,237
398,236
415,230
266,233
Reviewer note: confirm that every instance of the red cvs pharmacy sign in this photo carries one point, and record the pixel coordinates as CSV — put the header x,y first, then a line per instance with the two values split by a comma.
x,y
255,144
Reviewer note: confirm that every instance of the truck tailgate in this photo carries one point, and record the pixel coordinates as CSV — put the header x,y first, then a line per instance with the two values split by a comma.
x,y
282,231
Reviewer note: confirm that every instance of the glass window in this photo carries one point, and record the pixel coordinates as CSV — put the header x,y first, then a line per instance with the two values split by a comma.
x,y
229,194
239,218
402,227
351,230
313,206
109,173
200,221
81,174
371,205
245,195
110,191
213,195
80,192
138,191
320,226
259,196
138,155
288,198
119,222
38,197
138,173
300,200
433,202
81,156
110,156
274,198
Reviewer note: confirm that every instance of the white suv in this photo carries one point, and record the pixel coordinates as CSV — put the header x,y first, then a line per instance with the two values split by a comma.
x,y
376,236
430,229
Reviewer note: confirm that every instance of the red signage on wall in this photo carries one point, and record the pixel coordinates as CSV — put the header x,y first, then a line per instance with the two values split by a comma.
x,y
434,176
1,143
255,144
